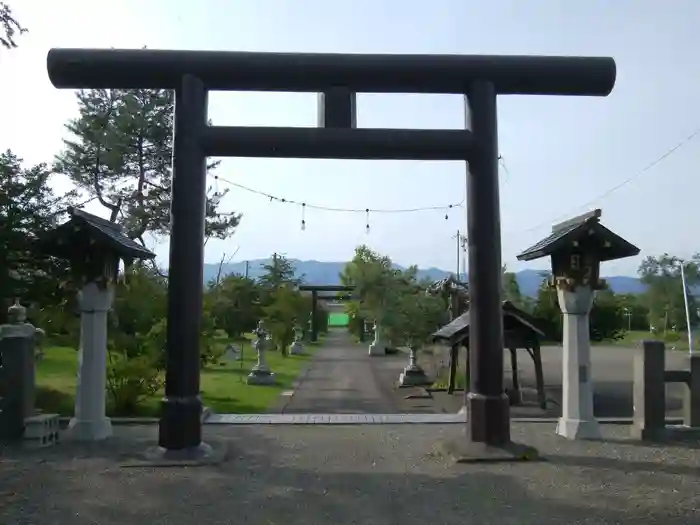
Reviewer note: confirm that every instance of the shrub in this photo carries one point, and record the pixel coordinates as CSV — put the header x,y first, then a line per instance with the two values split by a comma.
x,y
133,374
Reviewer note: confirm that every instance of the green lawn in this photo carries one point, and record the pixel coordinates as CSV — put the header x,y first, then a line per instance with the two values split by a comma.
x,y
223,386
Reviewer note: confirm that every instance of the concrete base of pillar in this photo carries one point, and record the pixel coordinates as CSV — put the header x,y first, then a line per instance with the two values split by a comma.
x,y
578,428
89,430
414,376
296,348
202,454
462,450
261,377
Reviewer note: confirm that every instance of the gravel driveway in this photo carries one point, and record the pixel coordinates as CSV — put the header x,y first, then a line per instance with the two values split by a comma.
x,y
370,475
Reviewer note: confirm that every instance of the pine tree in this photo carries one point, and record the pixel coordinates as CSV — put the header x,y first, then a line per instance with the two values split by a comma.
x,y
28,208
278,272
10,27
120,153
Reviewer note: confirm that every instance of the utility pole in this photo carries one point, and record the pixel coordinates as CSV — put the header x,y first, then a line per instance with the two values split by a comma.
x,y
247,266
461,253
458,254
464,256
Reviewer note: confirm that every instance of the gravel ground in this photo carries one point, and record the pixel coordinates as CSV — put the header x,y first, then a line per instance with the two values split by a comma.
x,y
370,475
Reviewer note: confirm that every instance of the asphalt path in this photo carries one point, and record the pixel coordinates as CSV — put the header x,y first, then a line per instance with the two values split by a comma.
x,y
612,374
342,379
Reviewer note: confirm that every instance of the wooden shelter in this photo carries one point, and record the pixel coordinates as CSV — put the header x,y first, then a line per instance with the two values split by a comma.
x,y
520,332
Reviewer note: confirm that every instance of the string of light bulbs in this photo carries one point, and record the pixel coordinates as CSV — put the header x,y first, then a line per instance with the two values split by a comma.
x,y
303,205
658,160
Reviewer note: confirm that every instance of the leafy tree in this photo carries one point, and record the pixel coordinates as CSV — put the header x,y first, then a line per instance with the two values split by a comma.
x,y
356,323
11,28
606,318
635,311
286,307
120,152
417,313
28,208
546,309
511,288
664,295
136,339
235,304
375,283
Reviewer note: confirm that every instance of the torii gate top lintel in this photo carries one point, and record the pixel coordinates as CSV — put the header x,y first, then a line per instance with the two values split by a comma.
x,y
318,72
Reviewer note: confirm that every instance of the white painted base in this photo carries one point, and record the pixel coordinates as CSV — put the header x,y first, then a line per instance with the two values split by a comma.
x,y
413,377
85,430
296,348
578,429
377,348
258,378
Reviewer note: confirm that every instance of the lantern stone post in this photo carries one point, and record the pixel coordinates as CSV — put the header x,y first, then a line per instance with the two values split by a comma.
x,y
577,247
94,248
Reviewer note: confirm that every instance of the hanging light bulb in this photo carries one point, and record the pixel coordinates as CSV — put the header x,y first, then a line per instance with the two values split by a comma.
x,y
303,216
367,220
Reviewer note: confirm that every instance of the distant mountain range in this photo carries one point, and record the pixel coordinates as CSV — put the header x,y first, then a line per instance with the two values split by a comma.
x,y
317,272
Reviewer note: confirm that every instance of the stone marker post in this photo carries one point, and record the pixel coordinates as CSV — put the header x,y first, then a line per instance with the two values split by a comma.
x,y
413,374
649,392
17,342
297,347
261,373
691,401
90,422
378,346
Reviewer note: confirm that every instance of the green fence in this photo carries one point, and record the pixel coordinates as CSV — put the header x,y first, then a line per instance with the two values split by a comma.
x,y
338,319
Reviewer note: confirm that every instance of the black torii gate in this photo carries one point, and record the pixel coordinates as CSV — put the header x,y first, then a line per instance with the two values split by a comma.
x,y
315,289
192,74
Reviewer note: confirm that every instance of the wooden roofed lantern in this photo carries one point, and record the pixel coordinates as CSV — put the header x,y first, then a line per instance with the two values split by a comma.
x,y
520,330
93,246
577,247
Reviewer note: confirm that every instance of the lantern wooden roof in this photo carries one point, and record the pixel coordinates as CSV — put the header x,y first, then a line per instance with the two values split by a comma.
x,y
514,319
85,230
608,245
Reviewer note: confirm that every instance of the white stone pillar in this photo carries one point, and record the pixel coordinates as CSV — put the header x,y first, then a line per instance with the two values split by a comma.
x,y
577,420
90,422
378,347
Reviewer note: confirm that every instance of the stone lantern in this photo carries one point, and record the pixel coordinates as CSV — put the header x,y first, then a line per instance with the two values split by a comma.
x,y
576,248
94,247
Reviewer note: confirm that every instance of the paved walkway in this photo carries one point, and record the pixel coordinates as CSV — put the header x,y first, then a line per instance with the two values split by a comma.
x,y
332,419
343,379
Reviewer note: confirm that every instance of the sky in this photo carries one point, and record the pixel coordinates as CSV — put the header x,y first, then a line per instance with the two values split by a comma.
x,y
562,155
